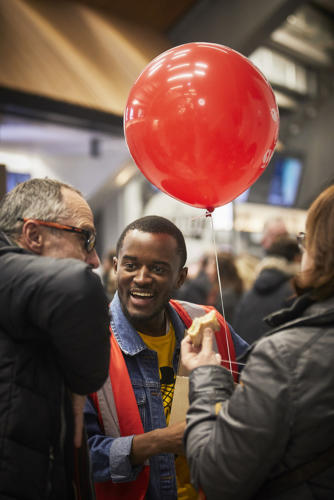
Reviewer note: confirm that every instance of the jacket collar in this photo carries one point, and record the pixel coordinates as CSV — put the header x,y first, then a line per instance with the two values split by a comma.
x,y
127,337
303,312
8,245
279,263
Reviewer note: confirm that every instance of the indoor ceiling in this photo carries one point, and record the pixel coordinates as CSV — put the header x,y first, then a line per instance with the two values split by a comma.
x,y
297,56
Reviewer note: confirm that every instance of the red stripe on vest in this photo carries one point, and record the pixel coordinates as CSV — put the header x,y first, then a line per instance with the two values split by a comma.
x,y
130,423
222,337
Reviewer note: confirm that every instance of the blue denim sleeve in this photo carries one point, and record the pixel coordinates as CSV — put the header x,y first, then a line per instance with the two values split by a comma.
x,y
240,345
110,457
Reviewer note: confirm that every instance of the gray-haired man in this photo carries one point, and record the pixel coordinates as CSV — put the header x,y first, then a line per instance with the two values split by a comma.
x,y
54,342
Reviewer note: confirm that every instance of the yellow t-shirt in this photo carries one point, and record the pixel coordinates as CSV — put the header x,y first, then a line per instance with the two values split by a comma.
x,y
164,346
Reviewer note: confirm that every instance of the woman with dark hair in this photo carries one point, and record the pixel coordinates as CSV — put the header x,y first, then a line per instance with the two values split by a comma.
x,y
272,435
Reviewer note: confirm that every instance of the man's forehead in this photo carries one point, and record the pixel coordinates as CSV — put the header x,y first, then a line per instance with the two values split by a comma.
x,y
153,247
143,238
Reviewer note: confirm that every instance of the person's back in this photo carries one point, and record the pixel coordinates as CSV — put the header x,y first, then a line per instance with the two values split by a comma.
x,y
272,289
53,339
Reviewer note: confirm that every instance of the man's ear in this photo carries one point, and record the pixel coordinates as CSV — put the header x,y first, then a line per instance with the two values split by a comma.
x,y
32,237
182,277
115,263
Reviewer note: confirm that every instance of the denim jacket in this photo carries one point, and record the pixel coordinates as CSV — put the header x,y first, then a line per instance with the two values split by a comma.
x,y
111,456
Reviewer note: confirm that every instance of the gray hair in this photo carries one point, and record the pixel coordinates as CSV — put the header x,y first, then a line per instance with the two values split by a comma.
x,y
33,199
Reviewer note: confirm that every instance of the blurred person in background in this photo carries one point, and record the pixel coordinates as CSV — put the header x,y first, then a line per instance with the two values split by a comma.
x,y
197,288
272,435
246,265
272,228
272,289
231,283
54,340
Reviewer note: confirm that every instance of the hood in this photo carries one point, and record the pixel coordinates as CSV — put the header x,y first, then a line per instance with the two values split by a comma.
x,y
272,272
269,280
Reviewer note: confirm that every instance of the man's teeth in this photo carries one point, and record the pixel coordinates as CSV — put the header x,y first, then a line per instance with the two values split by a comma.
x,y
141,294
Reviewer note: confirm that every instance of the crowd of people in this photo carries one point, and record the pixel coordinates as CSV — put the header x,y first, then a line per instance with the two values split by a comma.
x,y
89,367
248,289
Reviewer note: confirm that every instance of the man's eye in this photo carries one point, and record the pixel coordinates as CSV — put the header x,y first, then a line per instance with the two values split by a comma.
x,y
158,269
82,239
129,266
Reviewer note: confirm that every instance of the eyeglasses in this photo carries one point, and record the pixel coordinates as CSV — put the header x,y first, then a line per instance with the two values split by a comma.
x,y
90,238
301,241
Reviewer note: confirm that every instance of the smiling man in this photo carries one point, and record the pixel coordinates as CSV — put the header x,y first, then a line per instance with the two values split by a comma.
x,y
132,447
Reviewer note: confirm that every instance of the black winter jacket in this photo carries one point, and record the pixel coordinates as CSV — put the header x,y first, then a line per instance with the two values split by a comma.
x,y
272,290
54,340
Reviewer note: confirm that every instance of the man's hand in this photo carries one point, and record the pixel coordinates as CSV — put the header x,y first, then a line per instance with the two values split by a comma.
x,y
165,440
192,357
78,403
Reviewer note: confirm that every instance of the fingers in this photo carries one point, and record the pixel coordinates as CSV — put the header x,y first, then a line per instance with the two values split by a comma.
x,y
187,345
204,354
187,340
207,341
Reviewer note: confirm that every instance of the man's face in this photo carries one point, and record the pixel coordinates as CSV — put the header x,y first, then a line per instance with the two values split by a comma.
x,y
148,268
63,244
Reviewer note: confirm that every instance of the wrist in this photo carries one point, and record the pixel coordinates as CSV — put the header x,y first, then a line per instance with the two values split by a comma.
x,y
144,446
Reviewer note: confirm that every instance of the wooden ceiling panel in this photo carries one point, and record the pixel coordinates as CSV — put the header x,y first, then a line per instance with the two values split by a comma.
x,y
70,52
159,15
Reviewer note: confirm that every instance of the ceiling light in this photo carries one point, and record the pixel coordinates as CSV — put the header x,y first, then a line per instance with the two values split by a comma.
x,y
125,175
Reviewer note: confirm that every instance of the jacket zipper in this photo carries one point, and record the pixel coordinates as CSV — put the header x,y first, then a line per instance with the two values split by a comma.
x,y
50,470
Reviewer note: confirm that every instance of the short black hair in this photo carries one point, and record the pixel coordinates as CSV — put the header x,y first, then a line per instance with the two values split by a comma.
x,y
158,225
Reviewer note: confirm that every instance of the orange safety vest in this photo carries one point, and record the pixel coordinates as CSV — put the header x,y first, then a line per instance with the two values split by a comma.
x,y
125,404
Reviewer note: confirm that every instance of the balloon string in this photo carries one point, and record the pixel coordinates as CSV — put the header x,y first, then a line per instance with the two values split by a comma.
x,y
234,371
199,216
208,214
233,362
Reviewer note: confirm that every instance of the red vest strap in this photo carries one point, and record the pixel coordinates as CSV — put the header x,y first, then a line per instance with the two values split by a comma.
x,y
187,320
126,404
129,422
95,400
223,336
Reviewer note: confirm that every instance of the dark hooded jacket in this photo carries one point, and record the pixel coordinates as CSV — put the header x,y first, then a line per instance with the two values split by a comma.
x,y
272,290
54,340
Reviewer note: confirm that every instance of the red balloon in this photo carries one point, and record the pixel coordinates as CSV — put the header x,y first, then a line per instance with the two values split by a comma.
x,y
201,123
